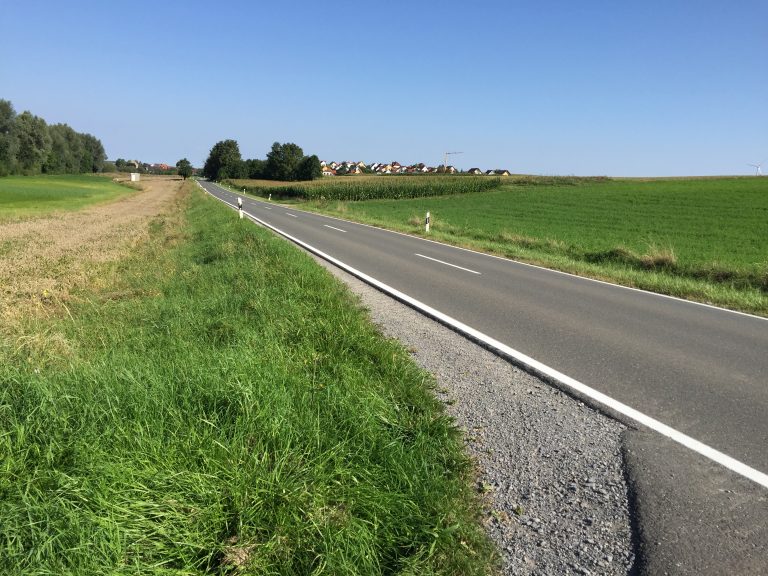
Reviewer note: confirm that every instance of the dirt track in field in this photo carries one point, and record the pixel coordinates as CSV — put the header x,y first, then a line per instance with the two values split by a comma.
x,y
45,260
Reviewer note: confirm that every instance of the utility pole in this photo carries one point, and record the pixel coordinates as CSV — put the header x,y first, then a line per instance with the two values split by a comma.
x,y
445,159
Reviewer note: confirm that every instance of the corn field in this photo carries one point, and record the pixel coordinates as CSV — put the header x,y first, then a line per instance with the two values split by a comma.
x,y
370,188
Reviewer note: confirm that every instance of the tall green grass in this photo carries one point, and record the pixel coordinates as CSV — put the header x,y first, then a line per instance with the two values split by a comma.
x,y
24,196
700,238
226,408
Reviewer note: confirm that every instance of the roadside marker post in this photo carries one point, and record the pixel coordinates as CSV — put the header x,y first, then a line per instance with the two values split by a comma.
x,y
426,223
270,197
240,206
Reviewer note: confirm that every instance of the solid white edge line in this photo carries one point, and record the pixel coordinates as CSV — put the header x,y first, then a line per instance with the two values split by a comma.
x,y
537,367
334,228
447,263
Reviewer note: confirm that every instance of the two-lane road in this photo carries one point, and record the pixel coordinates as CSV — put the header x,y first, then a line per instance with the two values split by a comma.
x,y
700,370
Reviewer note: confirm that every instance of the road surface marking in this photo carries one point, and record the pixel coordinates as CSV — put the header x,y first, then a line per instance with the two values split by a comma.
x,y
293,215
334,228
447,263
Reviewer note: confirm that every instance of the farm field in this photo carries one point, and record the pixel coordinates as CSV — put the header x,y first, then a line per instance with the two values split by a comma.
x,y
705,239
366,187
24,196
213,402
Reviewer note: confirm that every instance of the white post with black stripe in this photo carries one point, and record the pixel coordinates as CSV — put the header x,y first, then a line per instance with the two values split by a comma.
x,y
426,223
240,206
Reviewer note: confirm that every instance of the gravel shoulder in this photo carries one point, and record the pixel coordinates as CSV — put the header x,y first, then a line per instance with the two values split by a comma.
x,y
551,468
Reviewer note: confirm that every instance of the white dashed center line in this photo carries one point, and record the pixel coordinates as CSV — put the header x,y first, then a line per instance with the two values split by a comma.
x,y
448,264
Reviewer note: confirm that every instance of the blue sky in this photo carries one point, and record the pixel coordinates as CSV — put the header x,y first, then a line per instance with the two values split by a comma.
x,y
648,88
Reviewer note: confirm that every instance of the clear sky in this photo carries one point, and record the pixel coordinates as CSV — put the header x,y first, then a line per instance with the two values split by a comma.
x,y
586,87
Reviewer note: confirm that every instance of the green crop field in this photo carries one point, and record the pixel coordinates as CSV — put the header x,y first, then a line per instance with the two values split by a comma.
x,y
366,187
224,406
701,238
24,196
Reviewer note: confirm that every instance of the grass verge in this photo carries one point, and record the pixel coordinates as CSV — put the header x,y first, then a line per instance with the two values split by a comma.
x,y
226,408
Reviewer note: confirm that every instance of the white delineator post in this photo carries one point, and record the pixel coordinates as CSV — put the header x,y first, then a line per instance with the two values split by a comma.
x,y
426,222
270,197
240,206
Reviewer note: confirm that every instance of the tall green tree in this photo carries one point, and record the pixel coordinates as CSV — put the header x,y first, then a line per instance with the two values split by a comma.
x,y
8,142
75,157
34,142
184,168
309,168
93,154
29,146
224,161
54,162
255,168
66,151
283,160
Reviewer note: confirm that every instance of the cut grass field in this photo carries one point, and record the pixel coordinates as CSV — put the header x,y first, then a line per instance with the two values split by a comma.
x,y
223,405
25,196
60,253
704,239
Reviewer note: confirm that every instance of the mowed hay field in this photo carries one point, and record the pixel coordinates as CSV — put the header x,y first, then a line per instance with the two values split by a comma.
x,y
49,253
705,239
23,196
210,401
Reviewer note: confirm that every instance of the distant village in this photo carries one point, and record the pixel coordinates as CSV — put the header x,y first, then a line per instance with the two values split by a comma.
x,y
345,168
331,168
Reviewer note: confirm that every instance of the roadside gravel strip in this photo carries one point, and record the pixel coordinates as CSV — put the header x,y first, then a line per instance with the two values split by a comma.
x,y
550,467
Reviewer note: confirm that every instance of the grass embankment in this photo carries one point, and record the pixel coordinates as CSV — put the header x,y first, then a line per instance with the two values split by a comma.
x,y
226,408
704,239
25,196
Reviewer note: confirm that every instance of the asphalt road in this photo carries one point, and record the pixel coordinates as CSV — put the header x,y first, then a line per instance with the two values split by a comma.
x,y
700,370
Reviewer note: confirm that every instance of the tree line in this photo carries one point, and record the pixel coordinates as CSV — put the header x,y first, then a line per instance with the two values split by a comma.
x,y
285,162
28,145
